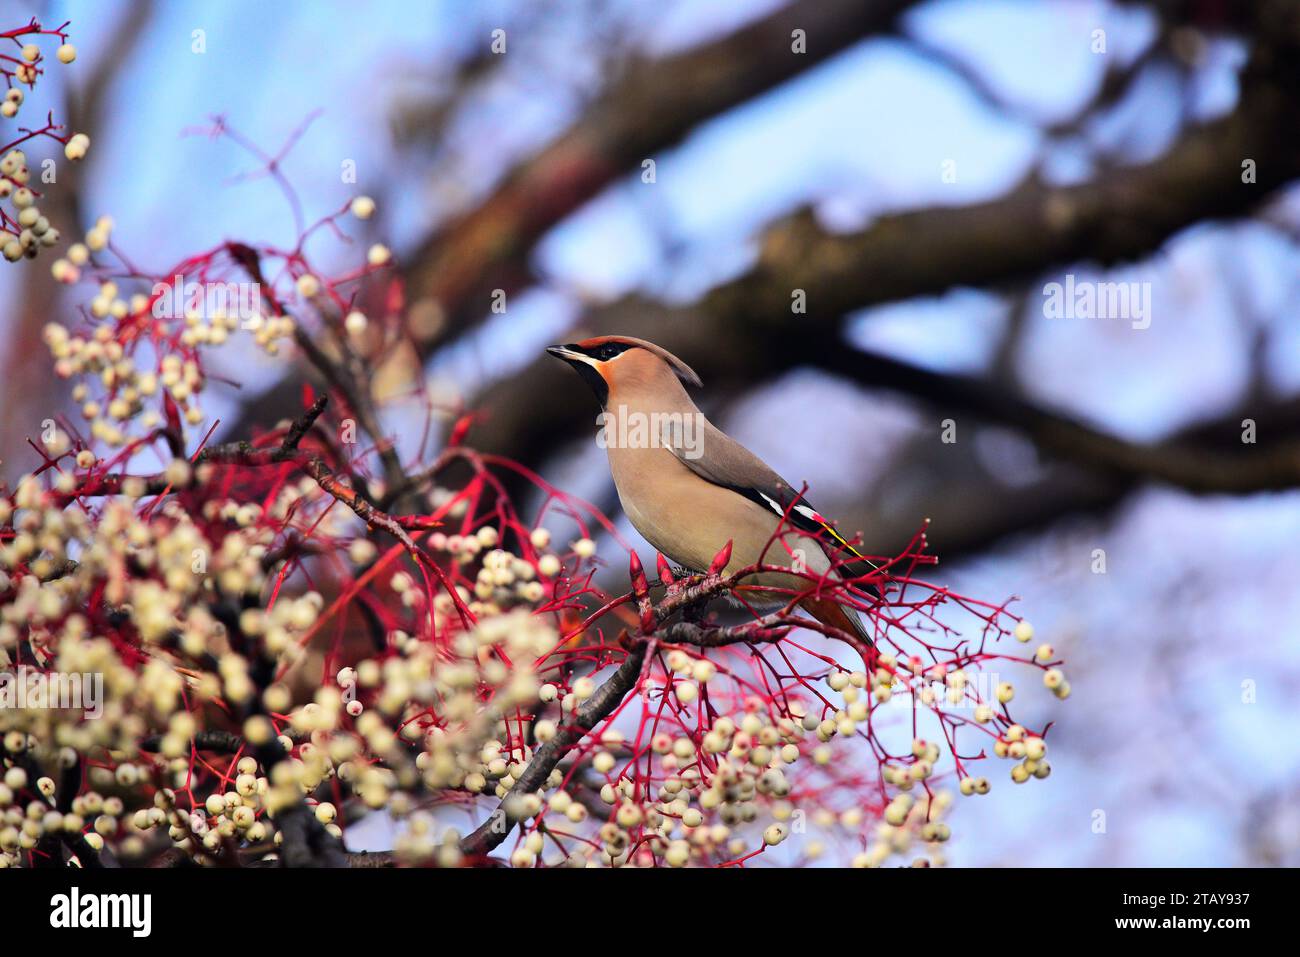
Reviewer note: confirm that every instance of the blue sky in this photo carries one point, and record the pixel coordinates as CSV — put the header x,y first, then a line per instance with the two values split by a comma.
x,y
862,135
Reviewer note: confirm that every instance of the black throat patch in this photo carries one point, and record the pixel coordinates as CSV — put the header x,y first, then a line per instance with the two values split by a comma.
x,y
595,380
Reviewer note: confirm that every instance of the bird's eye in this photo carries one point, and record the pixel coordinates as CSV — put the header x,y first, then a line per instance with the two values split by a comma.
x,y
608,351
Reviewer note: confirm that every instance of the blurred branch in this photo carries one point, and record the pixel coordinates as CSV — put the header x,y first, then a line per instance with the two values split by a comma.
x,y
85,102
650,107
1196,468
1115,81
974,507
743,332
1036,228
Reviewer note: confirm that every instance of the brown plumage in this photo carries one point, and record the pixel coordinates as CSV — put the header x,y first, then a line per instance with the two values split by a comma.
x,y
688,488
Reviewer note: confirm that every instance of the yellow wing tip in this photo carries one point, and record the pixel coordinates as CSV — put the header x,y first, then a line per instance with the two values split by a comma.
x,y
840,538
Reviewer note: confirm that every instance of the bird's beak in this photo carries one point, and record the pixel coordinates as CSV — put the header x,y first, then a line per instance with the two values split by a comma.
x,y
570,355
588,369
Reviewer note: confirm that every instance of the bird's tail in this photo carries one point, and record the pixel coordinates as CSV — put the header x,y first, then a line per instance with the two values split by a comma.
x,y
832,613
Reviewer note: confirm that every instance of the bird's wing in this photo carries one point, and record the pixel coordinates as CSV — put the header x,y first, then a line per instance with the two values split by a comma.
x,y
718,458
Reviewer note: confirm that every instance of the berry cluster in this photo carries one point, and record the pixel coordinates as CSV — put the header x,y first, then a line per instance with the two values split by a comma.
x,y
24,229
291,630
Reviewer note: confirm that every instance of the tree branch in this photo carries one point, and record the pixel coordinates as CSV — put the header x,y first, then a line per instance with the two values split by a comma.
x,y
650,108
1017,237
599,706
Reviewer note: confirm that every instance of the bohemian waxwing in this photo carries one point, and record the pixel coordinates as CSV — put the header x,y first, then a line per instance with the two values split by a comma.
x,y
688,488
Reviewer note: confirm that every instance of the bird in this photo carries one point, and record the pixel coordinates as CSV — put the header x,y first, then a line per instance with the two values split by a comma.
x,y
689,488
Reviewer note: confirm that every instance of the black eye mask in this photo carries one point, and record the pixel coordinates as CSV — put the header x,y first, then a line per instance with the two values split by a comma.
x,y
608,350
601,353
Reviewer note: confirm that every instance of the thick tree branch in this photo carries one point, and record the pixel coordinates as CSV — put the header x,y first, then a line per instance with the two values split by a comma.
x,y
1036,228
1197,468
599,706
